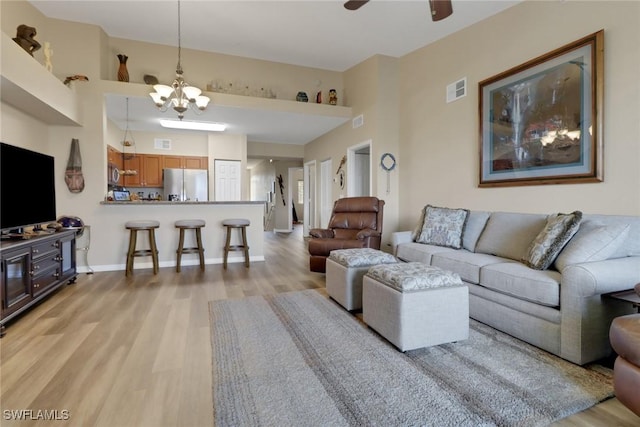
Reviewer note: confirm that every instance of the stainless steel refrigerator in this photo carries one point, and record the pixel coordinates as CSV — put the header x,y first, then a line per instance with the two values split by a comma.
x,y
186,185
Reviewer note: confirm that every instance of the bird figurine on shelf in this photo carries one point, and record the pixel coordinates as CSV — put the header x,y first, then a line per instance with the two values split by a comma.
x,y
80,77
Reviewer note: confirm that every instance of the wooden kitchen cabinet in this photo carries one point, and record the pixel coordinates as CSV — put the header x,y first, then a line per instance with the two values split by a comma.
x,y
173,162
185,162
151,170
149,167
133,163
194,162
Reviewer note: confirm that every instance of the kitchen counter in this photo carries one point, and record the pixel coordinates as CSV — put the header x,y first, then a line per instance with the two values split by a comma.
x,y
110,238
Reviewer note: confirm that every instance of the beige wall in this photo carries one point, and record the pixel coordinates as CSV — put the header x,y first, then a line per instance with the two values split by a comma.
x,y
268,150
227,147
18,128
262,177
439,141
182,144
371,90
203,68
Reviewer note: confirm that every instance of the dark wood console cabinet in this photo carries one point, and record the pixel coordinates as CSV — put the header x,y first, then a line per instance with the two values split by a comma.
x,y
31,269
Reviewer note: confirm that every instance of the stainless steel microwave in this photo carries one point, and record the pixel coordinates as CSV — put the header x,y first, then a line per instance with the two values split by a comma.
x,y
113,174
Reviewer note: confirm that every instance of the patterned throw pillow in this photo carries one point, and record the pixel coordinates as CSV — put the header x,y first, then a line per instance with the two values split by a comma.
x,y
443,226
544,249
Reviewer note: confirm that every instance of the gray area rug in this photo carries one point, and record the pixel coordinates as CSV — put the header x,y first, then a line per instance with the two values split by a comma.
x,y
299,359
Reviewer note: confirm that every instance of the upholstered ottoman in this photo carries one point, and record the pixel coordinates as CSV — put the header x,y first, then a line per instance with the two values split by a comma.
x,y
345,269
414,305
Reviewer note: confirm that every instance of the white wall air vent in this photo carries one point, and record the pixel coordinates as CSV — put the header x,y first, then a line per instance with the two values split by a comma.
x,y
162,144
357,121
457,90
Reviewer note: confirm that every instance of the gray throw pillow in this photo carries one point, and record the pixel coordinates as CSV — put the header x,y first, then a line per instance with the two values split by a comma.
x,y
443,226
476,221
416,231
558,230
509,234
593,242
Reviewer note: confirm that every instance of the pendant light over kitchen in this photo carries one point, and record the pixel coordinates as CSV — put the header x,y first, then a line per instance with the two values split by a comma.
x,y
127,141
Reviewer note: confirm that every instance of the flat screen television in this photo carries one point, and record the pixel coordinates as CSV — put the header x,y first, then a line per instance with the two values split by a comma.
x,y
27,188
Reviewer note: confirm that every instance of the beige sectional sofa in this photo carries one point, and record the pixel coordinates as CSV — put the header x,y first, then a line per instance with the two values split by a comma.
x,y
560,309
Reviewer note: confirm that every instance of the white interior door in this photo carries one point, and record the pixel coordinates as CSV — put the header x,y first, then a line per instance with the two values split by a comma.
x,y
227,180
326,199
309,207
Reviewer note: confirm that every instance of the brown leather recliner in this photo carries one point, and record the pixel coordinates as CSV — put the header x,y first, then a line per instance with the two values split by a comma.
x,y
356,222
624,335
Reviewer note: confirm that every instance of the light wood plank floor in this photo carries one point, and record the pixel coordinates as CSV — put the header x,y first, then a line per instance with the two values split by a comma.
x,y
116,351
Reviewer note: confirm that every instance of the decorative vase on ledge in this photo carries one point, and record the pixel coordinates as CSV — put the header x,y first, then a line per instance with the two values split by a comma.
x,y
123,73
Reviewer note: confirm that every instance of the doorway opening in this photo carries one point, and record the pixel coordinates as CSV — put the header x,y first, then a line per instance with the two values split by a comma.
x,y
359,170
294,176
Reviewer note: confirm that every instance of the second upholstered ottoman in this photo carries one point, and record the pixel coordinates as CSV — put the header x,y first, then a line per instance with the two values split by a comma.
x,y
414,305
345,269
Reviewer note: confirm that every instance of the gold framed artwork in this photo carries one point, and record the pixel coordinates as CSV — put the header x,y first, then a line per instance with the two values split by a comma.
x,y
541,122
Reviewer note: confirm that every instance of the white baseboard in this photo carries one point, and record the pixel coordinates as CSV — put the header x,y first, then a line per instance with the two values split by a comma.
x,y
137,265
282,230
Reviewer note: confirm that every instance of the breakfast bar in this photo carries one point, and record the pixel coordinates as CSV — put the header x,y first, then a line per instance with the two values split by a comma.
x,y
115,237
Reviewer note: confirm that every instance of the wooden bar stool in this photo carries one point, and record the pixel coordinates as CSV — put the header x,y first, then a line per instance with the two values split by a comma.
x,y
135,226
190,224
237,224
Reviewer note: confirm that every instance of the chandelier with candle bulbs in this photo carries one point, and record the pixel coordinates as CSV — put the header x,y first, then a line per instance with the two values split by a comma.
x,y
180,96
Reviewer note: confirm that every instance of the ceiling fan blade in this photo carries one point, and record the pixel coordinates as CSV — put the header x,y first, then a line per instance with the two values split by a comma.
x,y
440,9
354,4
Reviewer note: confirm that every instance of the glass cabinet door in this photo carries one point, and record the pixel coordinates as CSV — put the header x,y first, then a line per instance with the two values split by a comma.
x,y
68,252
16,280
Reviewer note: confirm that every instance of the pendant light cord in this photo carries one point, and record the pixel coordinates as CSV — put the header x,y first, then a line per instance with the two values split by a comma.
x,y
126,127
132,143
179,69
